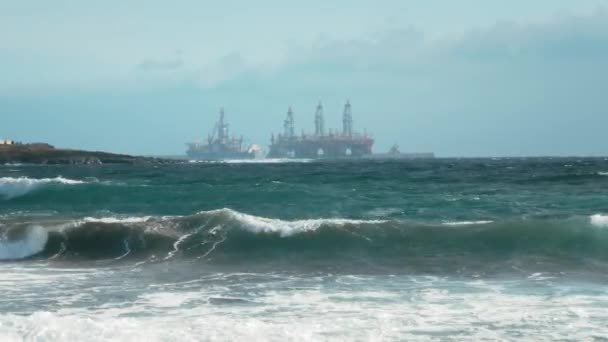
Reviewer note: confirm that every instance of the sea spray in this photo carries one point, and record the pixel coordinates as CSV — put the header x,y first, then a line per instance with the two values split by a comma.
x,y
29,241
11,187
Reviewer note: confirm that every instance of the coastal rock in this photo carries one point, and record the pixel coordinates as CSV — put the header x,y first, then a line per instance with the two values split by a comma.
x,y
48,155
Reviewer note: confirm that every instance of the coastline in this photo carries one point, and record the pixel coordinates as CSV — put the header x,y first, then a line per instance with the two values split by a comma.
x,y
48,155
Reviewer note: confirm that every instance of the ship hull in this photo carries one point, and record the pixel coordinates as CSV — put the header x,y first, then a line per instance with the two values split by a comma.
x,y
400,156
217,152
219,156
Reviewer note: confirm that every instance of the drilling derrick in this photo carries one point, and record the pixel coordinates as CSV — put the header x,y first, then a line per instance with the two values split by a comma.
x,y
288,125
347,121
220,145
319,121
347,144
222,128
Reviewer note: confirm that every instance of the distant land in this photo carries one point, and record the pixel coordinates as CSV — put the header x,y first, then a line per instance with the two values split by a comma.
x,y
45,154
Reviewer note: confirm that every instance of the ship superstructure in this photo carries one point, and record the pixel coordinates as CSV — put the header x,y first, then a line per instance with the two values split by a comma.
x,y
220,145
333,144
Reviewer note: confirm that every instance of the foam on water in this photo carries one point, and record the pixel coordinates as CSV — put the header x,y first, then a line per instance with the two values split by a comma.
x,y
603,173
257,224
11,187
312,309
467,223
253,161
31,243
113,219
599,220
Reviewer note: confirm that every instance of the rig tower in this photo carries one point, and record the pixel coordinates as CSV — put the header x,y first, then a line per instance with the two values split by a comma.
x,y
347,120
222,129
288,125
319,121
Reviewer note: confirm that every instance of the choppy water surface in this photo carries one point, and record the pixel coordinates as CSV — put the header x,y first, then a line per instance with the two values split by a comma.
x,y
425,250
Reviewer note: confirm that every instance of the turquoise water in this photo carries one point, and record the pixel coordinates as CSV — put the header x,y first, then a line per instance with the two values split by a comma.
x,y
438,249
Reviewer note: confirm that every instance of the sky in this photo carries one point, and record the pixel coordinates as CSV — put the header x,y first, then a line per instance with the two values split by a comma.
x,y
458,78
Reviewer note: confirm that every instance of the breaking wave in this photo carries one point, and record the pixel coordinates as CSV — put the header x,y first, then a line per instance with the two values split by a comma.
x,y
599,220
226,236
117,219
253,161
11,187
283,228
19,244
467,223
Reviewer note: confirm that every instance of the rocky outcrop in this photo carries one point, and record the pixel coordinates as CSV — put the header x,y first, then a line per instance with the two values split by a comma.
x,y
48,155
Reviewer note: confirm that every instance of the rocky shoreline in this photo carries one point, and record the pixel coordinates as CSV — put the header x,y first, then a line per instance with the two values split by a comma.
x,y
48,155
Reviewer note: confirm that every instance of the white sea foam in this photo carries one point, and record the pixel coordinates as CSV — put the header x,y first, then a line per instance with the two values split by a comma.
x,y
603,173
113,219
444,309
258,224
11,187
383,212
599,220
267,161
31,243
467,223
253,161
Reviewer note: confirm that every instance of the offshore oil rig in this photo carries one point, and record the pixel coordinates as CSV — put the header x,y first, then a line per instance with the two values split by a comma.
x,y
321,145
220,145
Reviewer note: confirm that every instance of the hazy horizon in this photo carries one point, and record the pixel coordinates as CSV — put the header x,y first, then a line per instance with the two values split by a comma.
x,y
458,79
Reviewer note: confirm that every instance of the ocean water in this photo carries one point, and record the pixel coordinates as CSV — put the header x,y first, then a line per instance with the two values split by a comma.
x,y
447,249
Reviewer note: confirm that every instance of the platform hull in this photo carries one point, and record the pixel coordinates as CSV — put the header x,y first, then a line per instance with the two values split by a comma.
x,y
321,149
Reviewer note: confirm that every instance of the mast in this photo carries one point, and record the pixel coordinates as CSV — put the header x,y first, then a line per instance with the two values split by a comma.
x,y
319,121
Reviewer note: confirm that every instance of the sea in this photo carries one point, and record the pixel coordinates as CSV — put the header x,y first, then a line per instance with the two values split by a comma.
x,y
406,250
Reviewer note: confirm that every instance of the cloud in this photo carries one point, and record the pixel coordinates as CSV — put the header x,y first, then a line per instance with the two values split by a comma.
x,y
174,63
511,89
577,38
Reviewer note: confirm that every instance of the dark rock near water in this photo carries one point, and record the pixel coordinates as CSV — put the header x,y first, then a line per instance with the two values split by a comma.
x,y
48,155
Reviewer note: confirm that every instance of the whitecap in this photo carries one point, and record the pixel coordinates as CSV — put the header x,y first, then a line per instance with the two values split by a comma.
x,y
599,220
257,224
32,243
467,223
267,161
113,219
602,173
253,161
11,187
383,212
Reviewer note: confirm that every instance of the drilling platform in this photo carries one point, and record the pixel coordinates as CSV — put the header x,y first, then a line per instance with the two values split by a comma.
x,y
321,145
220,145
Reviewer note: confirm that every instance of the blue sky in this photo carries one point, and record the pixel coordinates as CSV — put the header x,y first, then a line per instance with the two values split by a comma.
x,y
460,78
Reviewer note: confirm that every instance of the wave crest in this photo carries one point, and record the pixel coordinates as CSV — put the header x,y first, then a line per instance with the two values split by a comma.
x,y
11,187
599,220
257,224
28,242
467,223
229,236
